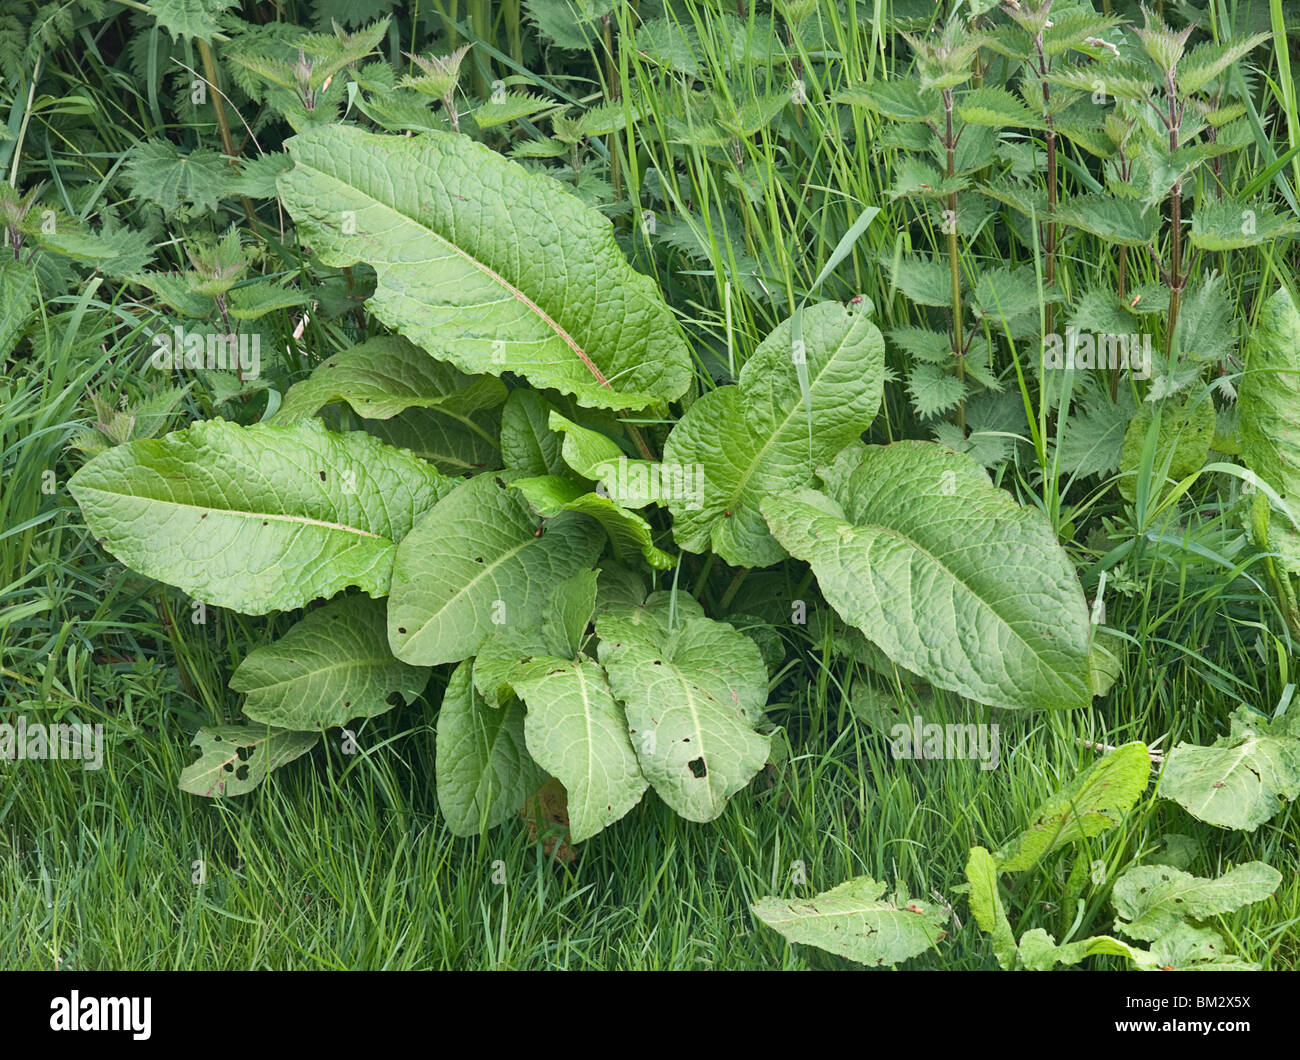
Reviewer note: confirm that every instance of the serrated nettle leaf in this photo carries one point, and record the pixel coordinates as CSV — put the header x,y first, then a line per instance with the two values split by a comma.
x,y
577,732
234,759
1226,225
998,108
933,347
692,697
568,614
1095,801
854,920
1006,293
479,560
257,518
902,100
1122,221
484,771
925,281
256,300
934,391
385,376
629,534
945,573
1153,900
460,239
332,666
761,437
1243,779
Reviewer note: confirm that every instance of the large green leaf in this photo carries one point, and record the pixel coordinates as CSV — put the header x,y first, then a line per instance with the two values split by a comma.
x,y
1241,780
385,376
1268,414
1182,441
945,573
452,442
693,695
1095,801
577,732
257,518
332,666
629,534
1152,900
760,438
234,759
481,262
854,921
484,774
478,561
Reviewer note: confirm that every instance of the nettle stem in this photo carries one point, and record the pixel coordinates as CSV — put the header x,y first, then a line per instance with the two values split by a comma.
x,y
954,258
1175,277
1044,68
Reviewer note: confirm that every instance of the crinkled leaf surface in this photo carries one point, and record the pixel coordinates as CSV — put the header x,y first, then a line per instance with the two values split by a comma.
x,y
484,772
629,534
1241,780
234,759
1152,900
944,572
385,376
854,921
332,666
478,260
754,439
693,696
257,518
479,560
576,730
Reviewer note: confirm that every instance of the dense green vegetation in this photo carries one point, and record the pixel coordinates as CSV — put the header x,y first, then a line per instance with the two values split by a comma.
x,y
892,367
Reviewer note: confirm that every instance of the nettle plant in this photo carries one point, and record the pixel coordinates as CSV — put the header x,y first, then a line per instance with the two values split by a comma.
x,y
480,491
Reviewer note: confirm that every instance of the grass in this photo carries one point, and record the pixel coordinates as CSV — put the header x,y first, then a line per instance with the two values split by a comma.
x,y
341,860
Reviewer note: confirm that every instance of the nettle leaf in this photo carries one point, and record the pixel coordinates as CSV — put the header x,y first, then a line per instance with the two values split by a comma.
x,y
760,437
385,376
1221,224
854,921
332,666
1122,221
998,108
944,572
933,391
901,100
258,518
1241,780
484,772
1182,441
479,560
1006,293
925,281
234,759
692,697
460,239
1268,413
1095,801
986,905
190,18
577,732
629,534
156,170
1152,900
